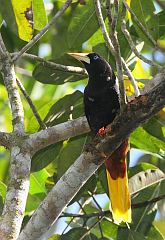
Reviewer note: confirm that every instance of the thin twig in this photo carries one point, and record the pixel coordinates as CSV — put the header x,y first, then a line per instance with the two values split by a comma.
x,y
111,48
108,212
94,225
44,30
140,24
95,200
131,43
113,36
81,207
63,232
132,79
3,51
129,74
32,106
101,230
103,27
56,66
115,50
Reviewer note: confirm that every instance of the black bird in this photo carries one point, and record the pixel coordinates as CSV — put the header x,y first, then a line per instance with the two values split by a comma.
x,y
101,102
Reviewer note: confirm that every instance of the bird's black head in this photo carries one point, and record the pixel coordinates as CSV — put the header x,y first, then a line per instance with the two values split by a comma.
x,y
97,67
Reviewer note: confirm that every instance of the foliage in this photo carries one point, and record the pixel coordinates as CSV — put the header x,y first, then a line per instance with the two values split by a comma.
x,y
58,97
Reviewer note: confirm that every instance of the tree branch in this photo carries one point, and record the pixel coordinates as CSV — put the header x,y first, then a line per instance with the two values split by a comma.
x,y
140,24
108,212
110,45
113,36
44,30
131,43
57,133
14,207
136,113
32,106
7,70
56,66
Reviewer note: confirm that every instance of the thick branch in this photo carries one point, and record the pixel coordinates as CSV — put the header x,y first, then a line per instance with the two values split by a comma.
x,y
14,207
7,70
44,30
136,112
57,133
16,196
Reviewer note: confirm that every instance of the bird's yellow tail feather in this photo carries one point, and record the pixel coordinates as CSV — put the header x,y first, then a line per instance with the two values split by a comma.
x,y
120,198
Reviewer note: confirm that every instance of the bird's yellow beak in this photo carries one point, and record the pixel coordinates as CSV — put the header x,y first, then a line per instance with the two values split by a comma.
x,y
81,57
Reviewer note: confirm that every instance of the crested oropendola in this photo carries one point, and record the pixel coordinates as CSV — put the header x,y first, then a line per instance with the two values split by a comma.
x,y
101,101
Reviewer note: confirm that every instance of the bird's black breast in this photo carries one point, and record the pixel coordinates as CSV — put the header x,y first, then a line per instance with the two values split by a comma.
x,y
101,106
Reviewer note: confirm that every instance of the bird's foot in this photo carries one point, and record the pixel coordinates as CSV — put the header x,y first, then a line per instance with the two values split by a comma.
x,y
102,131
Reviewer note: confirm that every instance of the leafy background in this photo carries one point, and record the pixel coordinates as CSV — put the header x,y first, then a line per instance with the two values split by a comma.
x,y
54,92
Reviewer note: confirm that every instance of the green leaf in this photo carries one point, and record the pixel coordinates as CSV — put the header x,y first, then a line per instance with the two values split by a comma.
x,y
34,201
7,13
49,75
3,189
154,234
144,141
37,182
143,217
155,128
23,15
1,205
55,237
73,234
39,14
58,113
103,179
139,168
4,164
144,10
62,109
145,179
45,156
83,24
126,234
1,20
160,20
70,151
109,229
43,106
160,226
58,40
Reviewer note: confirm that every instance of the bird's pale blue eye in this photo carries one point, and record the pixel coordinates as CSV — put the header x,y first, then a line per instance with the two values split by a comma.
x,y
95,57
